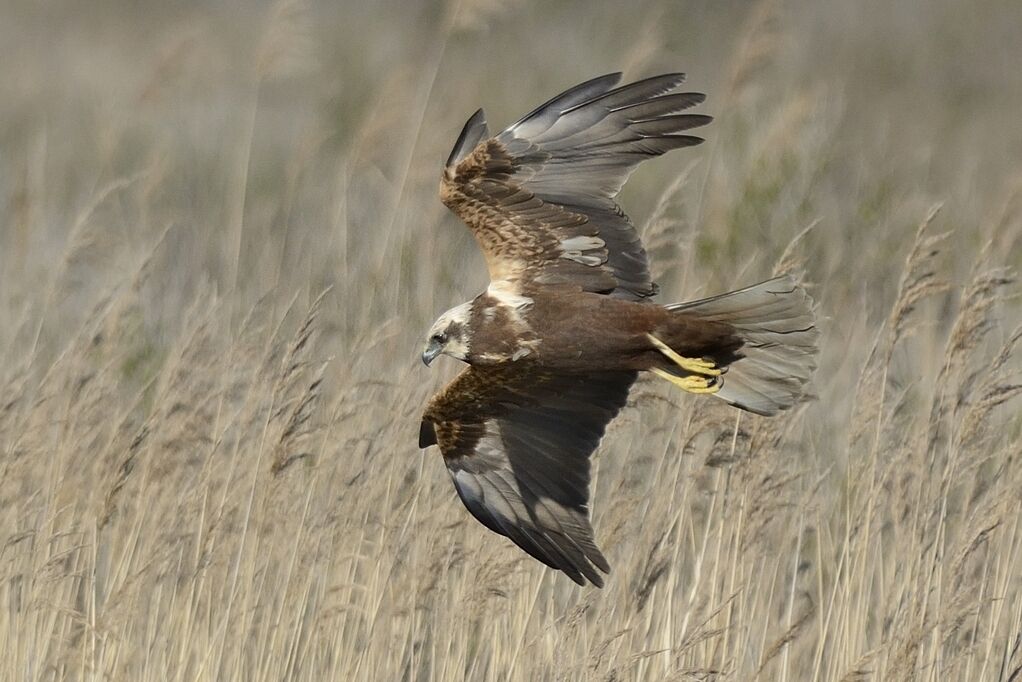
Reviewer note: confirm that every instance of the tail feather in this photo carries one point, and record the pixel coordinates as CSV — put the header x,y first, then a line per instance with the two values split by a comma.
x,y
776,322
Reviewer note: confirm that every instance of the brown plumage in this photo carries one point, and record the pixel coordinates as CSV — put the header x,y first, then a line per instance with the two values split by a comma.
x,y
557,339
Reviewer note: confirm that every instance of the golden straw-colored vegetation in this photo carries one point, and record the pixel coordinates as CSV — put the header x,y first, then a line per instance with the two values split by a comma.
x,y
221,246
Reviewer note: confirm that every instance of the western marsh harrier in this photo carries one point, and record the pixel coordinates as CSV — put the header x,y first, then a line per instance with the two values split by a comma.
x,y
558,338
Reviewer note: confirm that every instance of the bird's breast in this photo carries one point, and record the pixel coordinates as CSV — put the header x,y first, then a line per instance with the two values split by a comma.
x,y
500,330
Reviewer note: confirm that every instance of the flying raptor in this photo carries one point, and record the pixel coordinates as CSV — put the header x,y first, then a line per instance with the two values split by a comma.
x,y
567,322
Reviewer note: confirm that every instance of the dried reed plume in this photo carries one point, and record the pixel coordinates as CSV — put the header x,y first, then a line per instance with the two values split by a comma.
x,y
217,258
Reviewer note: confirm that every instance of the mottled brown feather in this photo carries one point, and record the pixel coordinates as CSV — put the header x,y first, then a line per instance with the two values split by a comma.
x,y
556,341
517,440
539,196
583,332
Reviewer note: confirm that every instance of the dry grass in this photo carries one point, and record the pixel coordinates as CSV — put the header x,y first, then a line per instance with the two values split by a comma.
x,y
220,245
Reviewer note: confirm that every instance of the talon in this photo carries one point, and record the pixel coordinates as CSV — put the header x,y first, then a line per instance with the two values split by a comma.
x,y
693,365
692,384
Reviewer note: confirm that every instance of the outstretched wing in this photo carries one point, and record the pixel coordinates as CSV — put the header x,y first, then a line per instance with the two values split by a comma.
x,y
539,196
517,441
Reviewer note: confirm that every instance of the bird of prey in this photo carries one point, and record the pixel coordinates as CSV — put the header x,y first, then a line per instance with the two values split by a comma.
x,y
567,322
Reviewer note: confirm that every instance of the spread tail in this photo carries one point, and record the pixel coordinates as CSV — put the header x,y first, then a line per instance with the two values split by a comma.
x,y
775,321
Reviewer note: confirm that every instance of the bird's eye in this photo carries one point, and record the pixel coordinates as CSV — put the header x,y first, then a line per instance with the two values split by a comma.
x,y
438,338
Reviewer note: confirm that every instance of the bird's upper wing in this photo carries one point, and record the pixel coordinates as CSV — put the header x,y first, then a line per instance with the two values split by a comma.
x,y
517,441
539,196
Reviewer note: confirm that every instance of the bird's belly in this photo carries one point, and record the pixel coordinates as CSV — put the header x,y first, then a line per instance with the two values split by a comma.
x,y
606,352
592,337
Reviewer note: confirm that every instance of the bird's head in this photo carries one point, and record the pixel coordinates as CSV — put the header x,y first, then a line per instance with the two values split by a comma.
x,y
449,335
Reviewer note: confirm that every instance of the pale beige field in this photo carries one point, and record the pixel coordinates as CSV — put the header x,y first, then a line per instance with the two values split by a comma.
x,y
220,250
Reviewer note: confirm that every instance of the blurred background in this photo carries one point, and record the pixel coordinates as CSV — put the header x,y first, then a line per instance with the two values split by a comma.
x,y
220,249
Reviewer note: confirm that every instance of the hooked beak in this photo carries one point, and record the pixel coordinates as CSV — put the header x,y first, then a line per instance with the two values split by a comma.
x,y
432,350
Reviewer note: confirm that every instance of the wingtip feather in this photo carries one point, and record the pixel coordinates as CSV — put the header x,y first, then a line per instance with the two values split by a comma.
x,y
472,134
427,434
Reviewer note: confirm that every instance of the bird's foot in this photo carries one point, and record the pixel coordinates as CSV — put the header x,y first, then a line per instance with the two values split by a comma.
x,y
693,384
693,365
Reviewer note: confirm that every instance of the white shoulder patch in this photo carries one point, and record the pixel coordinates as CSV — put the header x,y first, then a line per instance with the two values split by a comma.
x,y
582,243
508,295
520,353
574,248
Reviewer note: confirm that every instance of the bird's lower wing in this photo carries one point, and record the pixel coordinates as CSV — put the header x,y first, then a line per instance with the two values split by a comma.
x,y
517,442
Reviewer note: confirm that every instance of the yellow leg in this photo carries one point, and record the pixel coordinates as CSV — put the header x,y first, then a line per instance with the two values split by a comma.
x,y
693,365
692,384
